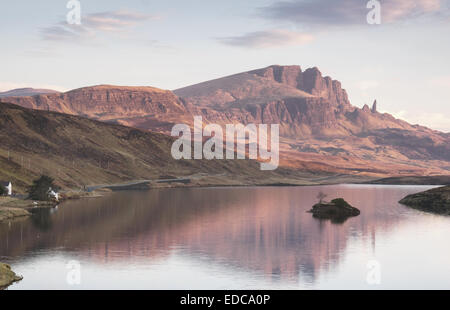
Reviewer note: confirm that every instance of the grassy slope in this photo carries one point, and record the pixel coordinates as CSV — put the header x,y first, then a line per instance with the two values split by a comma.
x,y
77,151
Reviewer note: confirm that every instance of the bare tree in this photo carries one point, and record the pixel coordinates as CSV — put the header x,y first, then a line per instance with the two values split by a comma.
x,y
321,196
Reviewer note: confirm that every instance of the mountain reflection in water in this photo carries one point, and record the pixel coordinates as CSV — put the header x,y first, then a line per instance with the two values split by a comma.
x,y
262,230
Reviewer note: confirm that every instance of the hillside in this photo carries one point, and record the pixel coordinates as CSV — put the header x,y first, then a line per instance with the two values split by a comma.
x,y
78,151
320,129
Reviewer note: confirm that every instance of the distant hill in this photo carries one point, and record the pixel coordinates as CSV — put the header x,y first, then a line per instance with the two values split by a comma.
x,y
415,180
320,129
23,92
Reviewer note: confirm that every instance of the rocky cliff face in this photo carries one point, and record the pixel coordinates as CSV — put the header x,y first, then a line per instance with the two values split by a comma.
x,y
106,102
142,107
310,81
304,103
317,121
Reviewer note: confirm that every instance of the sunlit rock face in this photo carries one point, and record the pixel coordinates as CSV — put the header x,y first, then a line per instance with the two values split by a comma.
x,y
320,129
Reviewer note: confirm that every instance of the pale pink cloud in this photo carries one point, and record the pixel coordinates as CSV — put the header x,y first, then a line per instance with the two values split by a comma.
x,y
270,38
350,12
91,24
393,11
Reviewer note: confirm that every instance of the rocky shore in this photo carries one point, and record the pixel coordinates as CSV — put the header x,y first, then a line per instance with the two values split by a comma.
x,y
7,276
435,201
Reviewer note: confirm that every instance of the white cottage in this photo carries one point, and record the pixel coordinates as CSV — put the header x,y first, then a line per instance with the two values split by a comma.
x,y
52,194
7,185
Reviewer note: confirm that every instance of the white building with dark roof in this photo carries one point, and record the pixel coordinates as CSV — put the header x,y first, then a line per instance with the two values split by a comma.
x,y
7,185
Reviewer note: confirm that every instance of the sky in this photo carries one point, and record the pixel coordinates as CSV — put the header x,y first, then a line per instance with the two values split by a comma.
x,y
403,61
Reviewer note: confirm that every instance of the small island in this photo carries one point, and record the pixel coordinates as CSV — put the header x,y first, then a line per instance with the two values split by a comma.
x,y
7,276
338,210
436,200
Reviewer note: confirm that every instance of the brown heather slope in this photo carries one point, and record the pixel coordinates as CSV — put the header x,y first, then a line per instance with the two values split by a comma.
x,y
320,130
77,151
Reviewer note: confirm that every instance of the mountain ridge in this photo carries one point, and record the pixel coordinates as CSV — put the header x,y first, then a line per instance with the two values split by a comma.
x,y
27,91
317,121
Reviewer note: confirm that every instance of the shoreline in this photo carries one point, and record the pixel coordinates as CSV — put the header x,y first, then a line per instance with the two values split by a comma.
x,y
150,184
12,208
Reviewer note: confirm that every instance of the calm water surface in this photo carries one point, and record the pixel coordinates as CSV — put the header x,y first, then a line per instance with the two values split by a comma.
x,y
231,238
